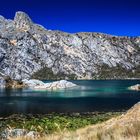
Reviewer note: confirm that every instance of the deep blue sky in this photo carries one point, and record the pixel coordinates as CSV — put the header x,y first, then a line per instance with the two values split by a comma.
x,y
118,17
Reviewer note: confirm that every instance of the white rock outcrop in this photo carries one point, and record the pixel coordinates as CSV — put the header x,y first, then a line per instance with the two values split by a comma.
x,y
33,82
135,87
36,84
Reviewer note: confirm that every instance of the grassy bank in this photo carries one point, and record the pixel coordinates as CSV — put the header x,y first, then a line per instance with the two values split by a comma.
x,y
123,127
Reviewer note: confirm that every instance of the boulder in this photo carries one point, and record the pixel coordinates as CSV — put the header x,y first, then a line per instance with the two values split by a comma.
x,y
135,87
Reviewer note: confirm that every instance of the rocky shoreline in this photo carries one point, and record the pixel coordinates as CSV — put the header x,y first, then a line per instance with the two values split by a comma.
x,y
7,82
97,126
39,85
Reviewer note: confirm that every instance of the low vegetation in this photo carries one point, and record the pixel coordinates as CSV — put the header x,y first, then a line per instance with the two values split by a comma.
x,y
104,72
53,123
118,72
123,127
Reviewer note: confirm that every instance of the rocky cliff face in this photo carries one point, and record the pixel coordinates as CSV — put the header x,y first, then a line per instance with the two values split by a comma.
x,y
29,50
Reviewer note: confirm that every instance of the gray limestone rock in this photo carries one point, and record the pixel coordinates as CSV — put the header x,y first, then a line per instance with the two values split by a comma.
x,y
22,21
37,84
26,48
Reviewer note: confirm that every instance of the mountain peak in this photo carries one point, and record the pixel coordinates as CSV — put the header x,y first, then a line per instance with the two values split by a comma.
x,y
22,21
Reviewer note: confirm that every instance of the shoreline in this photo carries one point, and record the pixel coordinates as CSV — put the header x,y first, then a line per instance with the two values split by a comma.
x,y
70,114
52,123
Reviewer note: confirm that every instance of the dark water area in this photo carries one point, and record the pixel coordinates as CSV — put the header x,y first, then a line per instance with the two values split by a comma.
x,y
88,96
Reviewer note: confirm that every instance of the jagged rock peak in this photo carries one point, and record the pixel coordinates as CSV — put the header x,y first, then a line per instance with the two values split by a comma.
x,y
22,21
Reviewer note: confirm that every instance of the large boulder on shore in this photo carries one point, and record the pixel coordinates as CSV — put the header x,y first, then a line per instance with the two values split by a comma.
x,y
36,84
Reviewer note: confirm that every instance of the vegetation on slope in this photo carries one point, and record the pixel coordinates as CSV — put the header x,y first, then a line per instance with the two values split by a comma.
x,y
118,72
47,73
104,72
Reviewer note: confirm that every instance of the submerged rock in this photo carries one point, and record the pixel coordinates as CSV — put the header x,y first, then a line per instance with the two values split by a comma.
x,y
135,87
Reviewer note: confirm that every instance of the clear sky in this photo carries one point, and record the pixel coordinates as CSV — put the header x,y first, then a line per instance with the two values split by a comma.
x,y
117,17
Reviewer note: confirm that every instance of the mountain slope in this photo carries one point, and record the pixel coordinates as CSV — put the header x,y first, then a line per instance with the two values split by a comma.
x,y
29,50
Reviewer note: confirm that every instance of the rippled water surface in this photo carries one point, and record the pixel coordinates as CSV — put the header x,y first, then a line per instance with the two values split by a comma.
x,y
88,96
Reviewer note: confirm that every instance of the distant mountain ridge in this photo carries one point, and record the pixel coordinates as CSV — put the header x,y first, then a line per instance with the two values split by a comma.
x,y
28,50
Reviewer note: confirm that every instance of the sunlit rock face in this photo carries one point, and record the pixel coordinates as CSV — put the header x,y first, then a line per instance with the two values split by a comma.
x,y
22,21
26,48
39,85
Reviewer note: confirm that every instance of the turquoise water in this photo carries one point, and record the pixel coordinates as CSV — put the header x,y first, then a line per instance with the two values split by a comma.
x,y
88,96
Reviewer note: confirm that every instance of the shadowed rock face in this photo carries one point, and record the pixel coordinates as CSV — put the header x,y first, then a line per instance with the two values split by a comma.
x,y
26,48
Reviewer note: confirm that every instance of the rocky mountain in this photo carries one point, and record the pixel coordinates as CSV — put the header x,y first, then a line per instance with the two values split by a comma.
x,y
28,50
